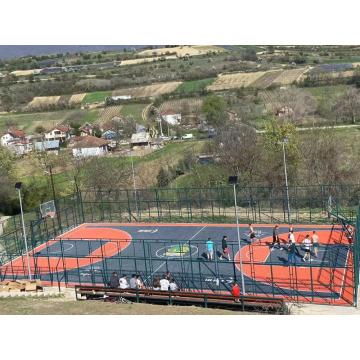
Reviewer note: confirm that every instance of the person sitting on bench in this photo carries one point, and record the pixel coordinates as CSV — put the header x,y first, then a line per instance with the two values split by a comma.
x,y
114,280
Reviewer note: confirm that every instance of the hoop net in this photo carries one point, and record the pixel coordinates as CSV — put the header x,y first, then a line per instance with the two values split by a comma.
x,y
48,209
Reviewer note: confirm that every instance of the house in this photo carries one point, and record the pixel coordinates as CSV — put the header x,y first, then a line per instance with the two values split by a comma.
x,y
140,139
20,146
89,145
12,135
48,146
59,132
87,129
171,117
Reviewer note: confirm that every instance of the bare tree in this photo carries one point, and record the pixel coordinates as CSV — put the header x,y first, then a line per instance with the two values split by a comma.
x,y
236,146
347,106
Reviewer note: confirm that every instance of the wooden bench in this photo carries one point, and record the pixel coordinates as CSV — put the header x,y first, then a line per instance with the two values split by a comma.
x,y
211,300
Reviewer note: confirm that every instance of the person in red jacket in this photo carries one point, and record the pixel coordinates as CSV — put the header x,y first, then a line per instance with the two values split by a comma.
x,y
235,291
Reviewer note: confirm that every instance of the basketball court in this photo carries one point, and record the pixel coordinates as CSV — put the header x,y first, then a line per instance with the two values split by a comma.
x,y
89,253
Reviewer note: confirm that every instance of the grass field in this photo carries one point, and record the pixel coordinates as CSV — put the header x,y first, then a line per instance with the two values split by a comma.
x,y
194,86
134,110
61,306
29,121
97,96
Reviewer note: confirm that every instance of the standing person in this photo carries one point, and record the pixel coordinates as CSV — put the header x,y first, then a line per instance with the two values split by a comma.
x,y
349,233
307,244
276,238
225,249
291,237
210,249
164,284
123,282
114,280
315,243
292,252
252,235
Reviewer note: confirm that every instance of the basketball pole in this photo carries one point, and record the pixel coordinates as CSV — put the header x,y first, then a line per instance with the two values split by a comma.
x,y
18,188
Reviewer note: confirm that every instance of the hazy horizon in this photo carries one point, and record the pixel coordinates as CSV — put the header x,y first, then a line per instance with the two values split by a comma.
x,y
14,51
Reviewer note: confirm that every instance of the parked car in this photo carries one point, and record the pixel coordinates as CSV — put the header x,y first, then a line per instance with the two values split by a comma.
x,y
187,137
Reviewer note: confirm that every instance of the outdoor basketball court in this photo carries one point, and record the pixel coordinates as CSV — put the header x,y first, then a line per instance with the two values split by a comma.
x,y
89,253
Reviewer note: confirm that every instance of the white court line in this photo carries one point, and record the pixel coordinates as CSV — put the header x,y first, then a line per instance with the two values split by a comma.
x,y
35,249
162,264
61,251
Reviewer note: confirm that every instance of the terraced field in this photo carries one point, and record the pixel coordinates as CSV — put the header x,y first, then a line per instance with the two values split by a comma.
x,y
183,50
236,80
266,80
39,101
77,98
148,90
109,112
192,105
288,77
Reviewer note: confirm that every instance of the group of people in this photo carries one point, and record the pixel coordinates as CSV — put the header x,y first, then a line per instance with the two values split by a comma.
x,y
166,283
291,246
210,249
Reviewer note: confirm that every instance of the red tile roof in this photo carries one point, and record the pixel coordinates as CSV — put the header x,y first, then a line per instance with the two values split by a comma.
x,y
16,133
63,128
90,141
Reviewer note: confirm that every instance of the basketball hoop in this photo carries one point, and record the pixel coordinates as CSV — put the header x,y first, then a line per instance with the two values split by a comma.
x,y
48,209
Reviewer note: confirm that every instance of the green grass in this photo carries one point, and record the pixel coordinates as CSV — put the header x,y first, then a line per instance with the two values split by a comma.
x,y
28,121
327,91
91,116
97,96
194,86
134,110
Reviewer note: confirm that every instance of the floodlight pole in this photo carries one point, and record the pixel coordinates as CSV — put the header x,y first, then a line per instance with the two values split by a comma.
x,y
24,234
286,181
239,242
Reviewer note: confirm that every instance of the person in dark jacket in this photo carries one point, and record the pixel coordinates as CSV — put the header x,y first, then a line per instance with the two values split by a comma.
x,y
225,249
114,280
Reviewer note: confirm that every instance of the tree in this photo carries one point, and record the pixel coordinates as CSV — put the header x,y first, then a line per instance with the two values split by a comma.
x,y
214,109
347,106
163,177
8,203
249,55
40,129
237,148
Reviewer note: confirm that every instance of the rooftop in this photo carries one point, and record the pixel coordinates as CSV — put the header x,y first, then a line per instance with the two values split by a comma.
x,y
90,142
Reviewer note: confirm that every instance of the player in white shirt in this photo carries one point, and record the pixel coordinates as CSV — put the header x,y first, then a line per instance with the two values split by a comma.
x,y
307,244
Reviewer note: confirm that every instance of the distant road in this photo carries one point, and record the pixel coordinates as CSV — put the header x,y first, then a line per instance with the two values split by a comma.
x,y
319,128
